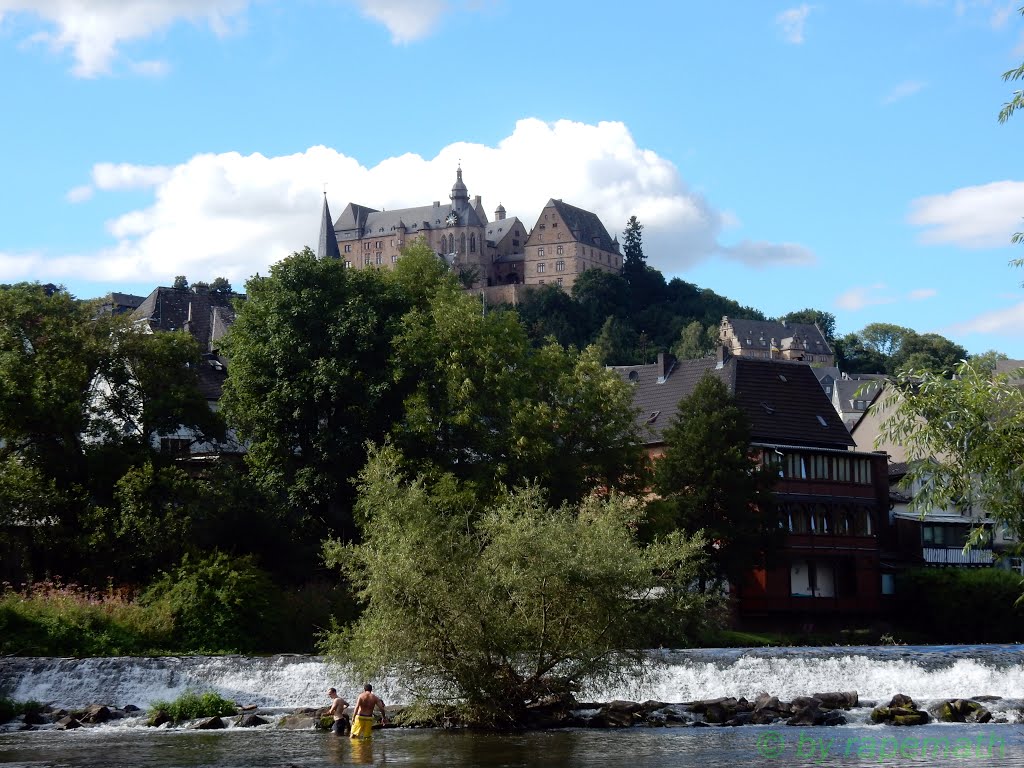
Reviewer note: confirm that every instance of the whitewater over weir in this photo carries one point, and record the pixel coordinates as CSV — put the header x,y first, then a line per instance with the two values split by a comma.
x,y
926,673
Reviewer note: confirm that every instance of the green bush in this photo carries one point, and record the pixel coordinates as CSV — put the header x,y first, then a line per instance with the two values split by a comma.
x,y
9,708
961,605
219,603
192,706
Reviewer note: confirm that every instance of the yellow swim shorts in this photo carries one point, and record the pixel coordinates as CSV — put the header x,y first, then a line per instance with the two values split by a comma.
x,y
362,727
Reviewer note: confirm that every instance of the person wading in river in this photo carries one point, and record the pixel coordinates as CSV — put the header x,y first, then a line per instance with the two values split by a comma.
x,y
362,717
337,711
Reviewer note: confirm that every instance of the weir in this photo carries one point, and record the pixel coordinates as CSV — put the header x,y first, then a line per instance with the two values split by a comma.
x,y
290,681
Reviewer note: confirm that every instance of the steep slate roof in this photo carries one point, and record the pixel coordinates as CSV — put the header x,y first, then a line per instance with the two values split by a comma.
x,y
328,246
813,339
783,399
585,226
207,316
175,309
499,229
358,221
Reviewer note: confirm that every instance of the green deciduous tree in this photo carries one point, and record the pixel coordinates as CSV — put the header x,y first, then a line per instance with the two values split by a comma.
x,y
312,380
494,607
491,409
826,321
694,342
964,439
709,481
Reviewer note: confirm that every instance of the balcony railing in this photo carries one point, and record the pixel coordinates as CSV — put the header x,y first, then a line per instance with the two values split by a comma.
x,y
956,556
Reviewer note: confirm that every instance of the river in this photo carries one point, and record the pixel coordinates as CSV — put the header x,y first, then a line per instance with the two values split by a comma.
x,y
282,682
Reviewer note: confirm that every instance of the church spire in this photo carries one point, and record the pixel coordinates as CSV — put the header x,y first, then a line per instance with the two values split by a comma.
x,y
328,247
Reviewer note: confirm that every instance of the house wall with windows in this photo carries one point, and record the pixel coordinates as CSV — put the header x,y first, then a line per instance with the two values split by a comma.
x,y
834,561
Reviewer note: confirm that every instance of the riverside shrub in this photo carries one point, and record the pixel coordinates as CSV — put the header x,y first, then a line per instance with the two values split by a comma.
x,y
219,603
962,605
192,705
500,606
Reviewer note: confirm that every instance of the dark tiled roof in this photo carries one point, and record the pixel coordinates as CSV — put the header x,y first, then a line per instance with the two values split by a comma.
x,y
204,315
585,226
358,221
328,246
784,334
898,469
849,391
502,228
783,400
126,300
211,375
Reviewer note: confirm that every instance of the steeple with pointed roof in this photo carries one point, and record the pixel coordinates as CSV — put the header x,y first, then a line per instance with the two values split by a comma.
x,y
328,247
460,194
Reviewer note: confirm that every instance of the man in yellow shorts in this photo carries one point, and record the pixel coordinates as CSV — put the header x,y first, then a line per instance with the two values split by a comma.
x,y
362,716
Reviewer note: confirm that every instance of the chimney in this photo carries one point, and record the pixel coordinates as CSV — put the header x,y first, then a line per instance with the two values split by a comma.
x,y
666,362
720,355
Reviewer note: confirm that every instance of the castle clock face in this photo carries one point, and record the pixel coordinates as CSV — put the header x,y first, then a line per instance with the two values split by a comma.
x,y
453,219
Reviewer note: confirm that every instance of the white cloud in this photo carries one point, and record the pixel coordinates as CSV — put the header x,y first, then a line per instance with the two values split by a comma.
x,y
860,297
1006,322
984,216
902,91
80,194
234,215
406,20
1001,15
128,176
792,22
920,294
93,29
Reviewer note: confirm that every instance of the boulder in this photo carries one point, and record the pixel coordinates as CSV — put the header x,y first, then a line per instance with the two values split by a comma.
x,y
901,711
806,711
68,723
297,721
34,718
960,711
837,699
130,709
160,717
250,720
95,713
210,724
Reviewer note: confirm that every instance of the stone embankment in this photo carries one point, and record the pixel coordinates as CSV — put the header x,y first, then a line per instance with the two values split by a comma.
x,y
819,709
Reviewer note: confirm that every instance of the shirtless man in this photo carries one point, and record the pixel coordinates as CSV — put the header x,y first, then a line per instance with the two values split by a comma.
x,y
362,716
337,711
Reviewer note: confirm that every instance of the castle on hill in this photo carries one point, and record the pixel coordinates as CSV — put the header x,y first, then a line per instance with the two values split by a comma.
x,y
564,242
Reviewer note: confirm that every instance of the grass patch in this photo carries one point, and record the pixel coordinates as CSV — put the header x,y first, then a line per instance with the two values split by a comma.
x,y
192,706
52,619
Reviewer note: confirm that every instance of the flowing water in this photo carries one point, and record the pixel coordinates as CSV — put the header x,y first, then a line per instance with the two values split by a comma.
x,y
286,682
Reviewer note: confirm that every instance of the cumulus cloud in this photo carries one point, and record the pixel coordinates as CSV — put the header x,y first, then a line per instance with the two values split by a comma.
x,y
234,215
984,216
1005,322
860,297
80,194
406,20
93,29
920,294
792,22
902,91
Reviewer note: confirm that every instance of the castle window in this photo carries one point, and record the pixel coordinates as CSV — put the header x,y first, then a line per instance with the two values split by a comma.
x,y
462,243
379,259
366,260
541,282
472,243
559,281
540,252
543,226
558,250
394,258
348,248
541,267
559,266
348,265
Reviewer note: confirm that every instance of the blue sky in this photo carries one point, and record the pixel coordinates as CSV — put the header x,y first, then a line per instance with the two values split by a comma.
x,y
838,155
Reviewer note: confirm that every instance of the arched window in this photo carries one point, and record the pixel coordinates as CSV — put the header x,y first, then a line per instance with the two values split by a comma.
x,y
472,243
462,243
